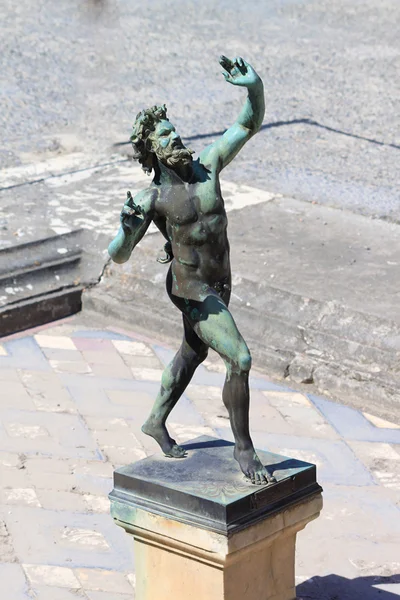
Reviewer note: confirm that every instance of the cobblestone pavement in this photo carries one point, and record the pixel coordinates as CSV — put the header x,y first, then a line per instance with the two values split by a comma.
x,y
72,402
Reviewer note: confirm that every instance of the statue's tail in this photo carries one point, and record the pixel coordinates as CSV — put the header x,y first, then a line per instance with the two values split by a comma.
x,y
168,254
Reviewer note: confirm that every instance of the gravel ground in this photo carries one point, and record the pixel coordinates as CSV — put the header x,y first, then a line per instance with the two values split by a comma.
x,y
74,75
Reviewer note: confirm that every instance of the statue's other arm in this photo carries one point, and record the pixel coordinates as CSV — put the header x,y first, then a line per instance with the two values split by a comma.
x,y
136,217
238,72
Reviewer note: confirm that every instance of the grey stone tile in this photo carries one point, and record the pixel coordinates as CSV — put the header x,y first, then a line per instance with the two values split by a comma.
x,y
59,481
113,359
133,399
47,392
101,334
48,539
7,554
56,500
14,395
61,354
352,425
120,371
124,438
11,477
142,362
88,483
299,414
105,423
13,580
54,593
107,596
51,575
24,353
120,456
103,581
19,497
66,435
9,374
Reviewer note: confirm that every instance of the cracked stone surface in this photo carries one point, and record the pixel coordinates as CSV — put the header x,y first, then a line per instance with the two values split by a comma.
x,y
58,484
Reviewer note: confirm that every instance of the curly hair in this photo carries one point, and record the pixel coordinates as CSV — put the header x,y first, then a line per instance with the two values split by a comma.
x,y
143,126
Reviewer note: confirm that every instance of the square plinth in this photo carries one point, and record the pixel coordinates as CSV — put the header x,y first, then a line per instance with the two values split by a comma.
x,y
207,489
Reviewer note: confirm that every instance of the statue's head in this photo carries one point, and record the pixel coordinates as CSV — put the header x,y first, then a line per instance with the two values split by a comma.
x,y
154,137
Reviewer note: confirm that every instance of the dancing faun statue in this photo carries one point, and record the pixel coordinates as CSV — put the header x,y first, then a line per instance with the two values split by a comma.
x,y
184,201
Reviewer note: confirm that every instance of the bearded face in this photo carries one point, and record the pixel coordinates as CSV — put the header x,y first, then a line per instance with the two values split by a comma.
x,y
173,157
168,146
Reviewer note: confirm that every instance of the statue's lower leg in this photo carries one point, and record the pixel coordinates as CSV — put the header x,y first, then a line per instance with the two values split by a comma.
x,y
175,379
236,399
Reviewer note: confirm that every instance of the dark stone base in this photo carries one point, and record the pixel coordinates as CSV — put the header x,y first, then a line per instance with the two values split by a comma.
x,y
208,490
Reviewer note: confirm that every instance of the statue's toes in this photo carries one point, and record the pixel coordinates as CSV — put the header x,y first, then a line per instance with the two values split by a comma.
x,y
177,452
261,477
255,478
267,477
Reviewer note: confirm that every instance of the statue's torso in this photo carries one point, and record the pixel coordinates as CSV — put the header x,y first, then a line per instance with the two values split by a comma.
x,y
196,224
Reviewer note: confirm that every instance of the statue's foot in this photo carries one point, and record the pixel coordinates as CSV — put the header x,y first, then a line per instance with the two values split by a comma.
x,y
167,444
252,466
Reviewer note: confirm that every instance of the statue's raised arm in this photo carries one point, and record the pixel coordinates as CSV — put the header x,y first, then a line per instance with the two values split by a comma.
x,y
238,72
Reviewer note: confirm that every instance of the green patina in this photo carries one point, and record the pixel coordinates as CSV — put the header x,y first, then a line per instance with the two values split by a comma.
x,y
184,200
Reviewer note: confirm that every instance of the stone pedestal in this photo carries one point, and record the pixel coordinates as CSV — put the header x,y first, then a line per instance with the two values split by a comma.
x,y
202,532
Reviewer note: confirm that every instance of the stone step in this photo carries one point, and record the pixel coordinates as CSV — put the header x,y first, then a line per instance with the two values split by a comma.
x,y
41,309
40,252
40,281
321,346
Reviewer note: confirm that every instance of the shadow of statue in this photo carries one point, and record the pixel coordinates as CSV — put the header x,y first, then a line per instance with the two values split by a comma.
x,y
335,587
213,443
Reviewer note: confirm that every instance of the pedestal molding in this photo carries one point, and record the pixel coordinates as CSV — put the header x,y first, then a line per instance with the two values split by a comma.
x,y
212,525
227,555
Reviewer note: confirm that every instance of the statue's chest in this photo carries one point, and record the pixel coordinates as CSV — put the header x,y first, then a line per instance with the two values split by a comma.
x,y
183,204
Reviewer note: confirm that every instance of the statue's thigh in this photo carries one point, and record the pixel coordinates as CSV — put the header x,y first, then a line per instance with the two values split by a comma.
x,y
217,328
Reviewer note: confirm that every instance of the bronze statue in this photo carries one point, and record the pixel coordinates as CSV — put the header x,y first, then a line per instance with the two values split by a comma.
x,y
184,200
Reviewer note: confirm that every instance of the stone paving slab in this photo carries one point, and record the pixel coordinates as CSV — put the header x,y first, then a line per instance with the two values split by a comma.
x,y
73,399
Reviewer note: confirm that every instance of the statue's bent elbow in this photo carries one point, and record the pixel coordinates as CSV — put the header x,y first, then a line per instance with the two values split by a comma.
x,y
118,259
116,253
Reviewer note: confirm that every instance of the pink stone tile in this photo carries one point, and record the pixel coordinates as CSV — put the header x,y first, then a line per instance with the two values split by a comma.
x,y
120,371
91,345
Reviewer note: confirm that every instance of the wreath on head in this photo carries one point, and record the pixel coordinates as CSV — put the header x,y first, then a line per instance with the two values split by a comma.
x,y
143,126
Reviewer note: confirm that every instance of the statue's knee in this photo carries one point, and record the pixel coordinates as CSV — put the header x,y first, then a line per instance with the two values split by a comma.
x,y
244,361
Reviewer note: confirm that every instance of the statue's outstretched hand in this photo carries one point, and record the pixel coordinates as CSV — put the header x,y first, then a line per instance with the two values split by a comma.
x,y
238,72
129,209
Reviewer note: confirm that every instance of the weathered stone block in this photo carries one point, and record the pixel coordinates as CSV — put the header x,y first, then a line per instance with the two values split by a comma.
x,y
202,531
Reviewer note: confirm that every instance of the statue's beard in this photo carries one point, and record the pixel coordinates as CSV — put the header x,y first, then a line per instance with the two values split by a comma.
x,y
174,157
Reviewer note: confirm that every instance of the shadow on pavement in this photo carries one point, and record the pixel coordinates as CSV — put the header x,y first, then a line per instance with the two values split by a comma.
x,y
334,587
